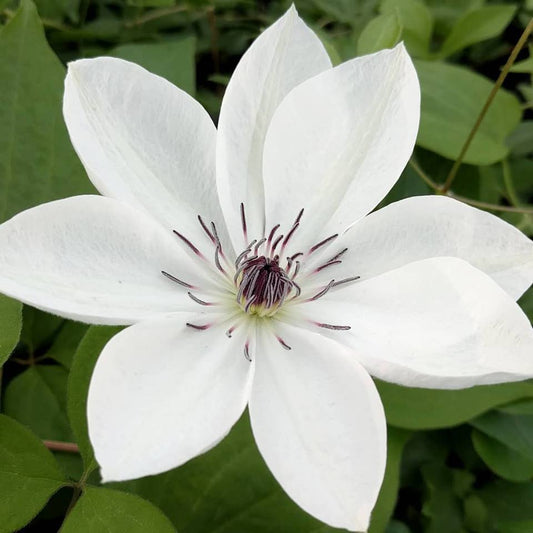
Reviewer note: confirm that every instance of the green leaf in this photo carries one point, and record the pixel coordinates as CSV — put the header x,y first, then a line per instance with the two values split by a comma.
x,y
508,502
66,343
10,326
443,506
515,431
416,21
520,140
173,60
37,399
228,490
78,385
381,32
38,329
37,162
431,408
111,511
396,440
29,475
59,9
477,25
452,97
501,459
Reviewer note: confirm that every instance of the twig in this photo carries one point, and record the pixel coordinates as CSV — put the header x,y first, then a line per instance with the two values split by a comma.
x,y
503,74
470,201
59,446
155,14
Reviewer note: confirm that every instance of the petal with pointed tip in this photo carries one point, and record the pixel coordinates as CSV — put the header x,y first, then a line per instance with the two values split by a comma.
x,y
283,56
319,424
163,393
339,141
93,259
143,141
437,323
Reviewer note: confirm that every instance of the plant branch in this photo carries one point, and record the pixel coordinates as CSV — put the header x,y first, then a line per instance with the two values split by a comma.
x,y
58,446
503,74
154,15
470,201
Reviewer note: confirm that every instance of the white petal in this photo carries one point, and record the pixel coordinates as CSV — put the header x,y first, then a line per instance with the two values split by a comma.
x,y
163,393
93,259
339,141
143,141
429,226
319,424
434,323
283,56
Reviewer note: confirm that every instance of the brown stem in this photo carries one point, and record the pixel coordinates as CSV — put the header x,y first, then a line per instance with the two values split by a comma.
x,y
155,14
58,446
490,98
476,203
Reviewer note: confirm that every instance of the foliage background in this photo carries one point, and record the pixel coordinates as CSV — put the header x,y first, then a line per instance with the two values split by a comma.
x,y
458,461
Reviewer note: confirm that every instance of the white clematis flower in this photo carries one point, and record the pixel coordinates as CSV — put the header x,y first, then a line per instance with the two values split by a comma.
x,y
275,290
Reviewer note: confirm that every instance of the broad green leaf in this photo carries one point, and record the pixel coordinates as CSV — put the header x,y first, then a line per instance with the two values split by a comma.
x,y
381,32
416,21
515,431
173,60
443,506
29,475
66,343
501,459
452,97
111,511
431,408
396,439
477,25
59,9
507,501
38,329
357,14
10,326
516,527
228,490
37,399
37,162
521,407
78,385
520,140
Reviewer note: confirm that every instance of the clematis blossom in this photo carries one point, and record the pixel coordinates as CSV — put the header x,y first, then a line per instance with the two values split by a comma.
x,y
252,271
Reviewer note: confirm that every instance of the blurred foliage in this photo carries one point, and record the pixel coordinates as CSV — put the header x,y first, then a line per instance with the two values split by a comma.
x,y
459,461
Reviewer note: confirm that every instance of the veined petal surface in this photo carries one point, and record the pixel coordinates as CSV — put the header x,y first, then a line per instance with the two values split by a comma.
x,y
437,323
163,393
93,259
431,226
339,141
319,424
143,141
283,56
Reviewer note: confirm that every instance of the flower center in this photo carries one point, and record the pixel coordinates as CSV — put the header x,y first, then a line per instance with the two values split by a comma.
x,y
264,274
263,285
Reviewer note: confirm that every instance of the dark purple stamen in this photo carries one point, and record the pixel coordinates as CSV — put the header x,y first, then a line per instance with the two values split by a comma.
x,y
283,343
331,326
322,243
196,326
188,243
177,280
